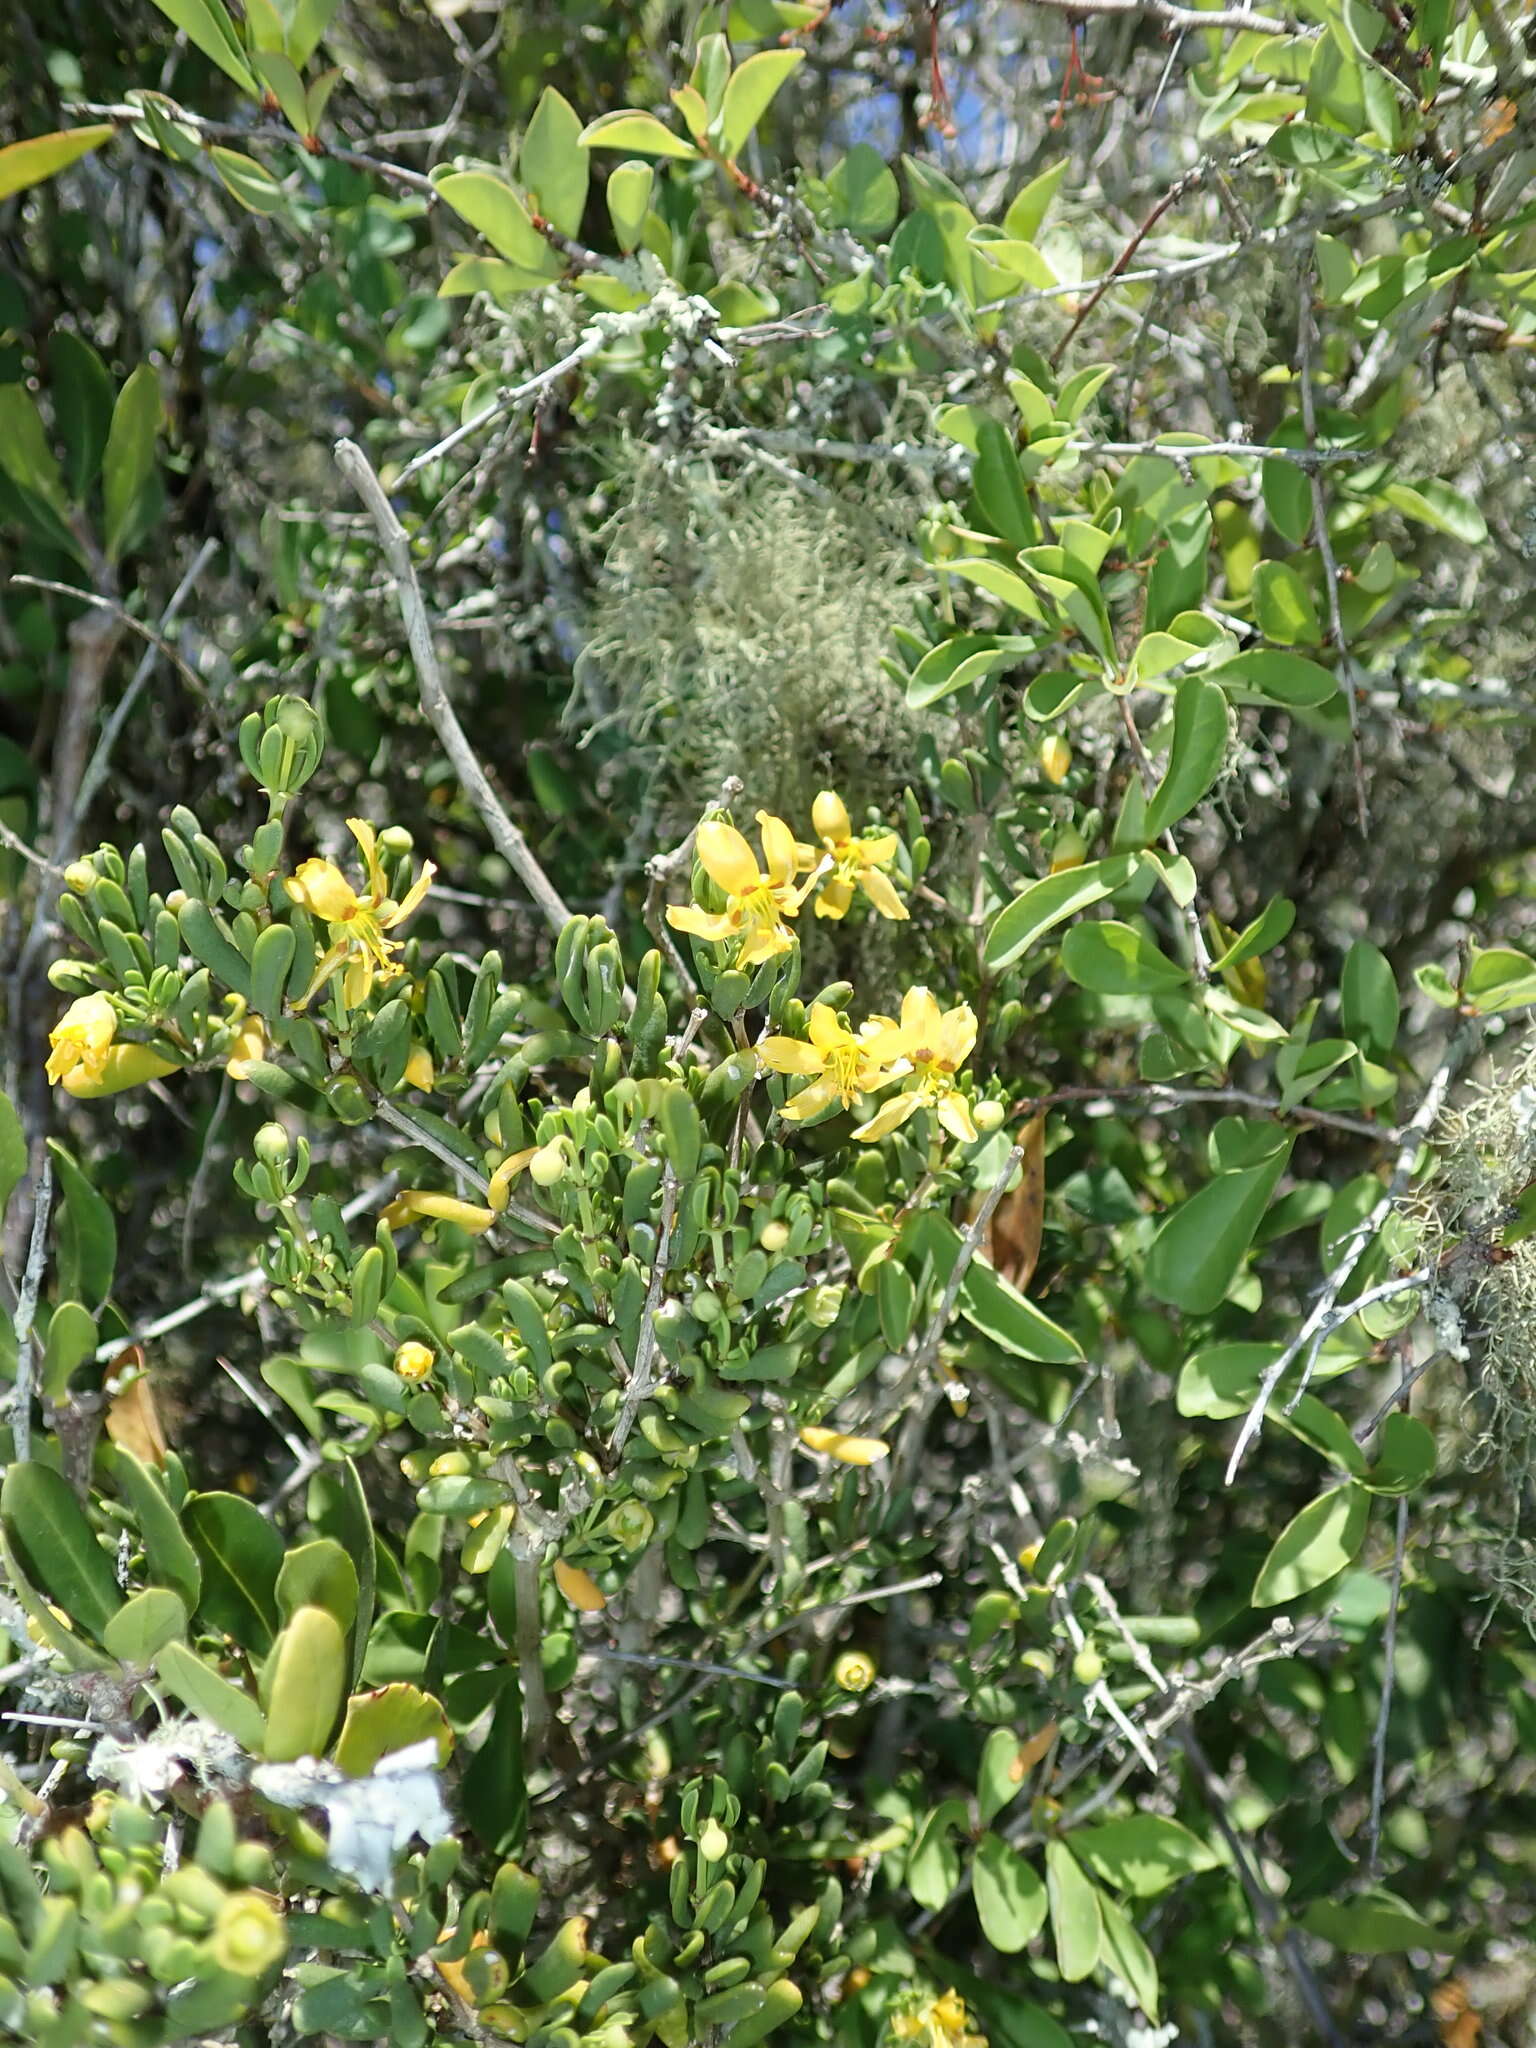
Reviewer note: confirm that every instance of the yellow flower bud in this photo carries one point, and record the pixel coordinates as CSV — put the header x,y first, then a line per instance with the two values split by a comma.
x,y
413,1202
848,1450
249,1936
548,1164
854,1671
251,1044
81,1039
125,1066
451,1465
579,1587
1069,850
177,899
419,1071
1055,758
773,1236
414,1360
499,1188
272,1145
714,1842
79,876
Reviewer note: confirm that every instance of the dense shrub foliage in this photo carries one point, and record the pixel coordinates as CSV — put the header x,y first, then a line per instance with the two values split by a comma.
x,y
767,1152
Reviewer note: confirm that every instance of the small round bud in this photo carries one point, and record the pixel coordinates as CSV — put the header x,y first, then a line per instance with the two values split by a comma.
x,y
707,1306
1055,758
414,1360
548,1164
396,839
79,876
773,1236
1088,1666
295,720
854,1671
987,1116
632,1525
177,901
273,1145
714,1842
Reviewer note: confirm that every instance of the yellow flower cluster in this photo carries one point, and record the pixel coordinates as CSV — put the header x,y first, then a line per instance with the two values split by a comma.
x,y
357,924
86,1059
923,1050
760,899
940,2023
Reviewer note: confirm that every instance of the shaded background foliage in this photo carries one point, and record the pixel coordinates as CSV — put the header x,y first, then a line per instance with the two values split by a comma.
x,y
637,604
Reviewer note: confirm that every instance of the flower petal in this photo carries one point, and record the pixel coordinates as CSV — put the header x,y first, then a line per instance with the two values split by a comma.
x,y
726,857
766,943
829,816
704,924
879,849
835,898
886,1119
413,1202
920,1018
498,1189
124,1066
778,849
788,1055
954,1113
826,1029
956,1035
811,1101
412,899
877,888
367,839
323,890
848,1450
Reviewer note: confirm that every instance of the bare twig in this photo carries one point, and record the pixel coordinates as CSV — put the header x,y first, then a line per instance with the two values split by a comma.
x,y
1155,1093
1183,19
508,840
26,1309
641,1378
234,131
505,401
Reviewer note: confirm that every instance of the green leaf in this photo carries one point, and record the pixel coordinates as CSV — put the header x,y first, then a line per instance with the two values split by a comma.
x,y
957,662
390,1718
352,1526
629,199
318,1574
1076,1924
1000,1777
632,130
1200,725
44,156
308,21
241,1555
998,483
129,461
25,455
1195,1256
751,92
87,1234
1268,929
142,1627
1143,1854
249,183
1500,979
72,1338
933,1867
211,1697
998,582
493,1793
865,196
1375,1923
1406,1455
305,1678
1011,1900
82,406
1051,900
206,24
1029,205
1268,675
1314,1547
1435,504
169,1557
13,1151
280,76
57,1547
552,163
494,210
1113,959
1287,493
1368,1002
1127,1955
1283,606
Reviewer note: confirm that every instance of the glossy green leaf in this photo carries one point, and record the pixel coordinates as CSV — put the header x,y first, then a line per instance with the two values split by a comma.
x,y
553,165
1030,204
1076,1925
1000,1777
494,210
1127,1955
1267,930
1143,1854
128,463
955,663
1287,679
1112,959
1437,505
1196,1254
933,1866
169,1558
1011,1899
142,1627
751,91
249,183
206,24
72,1339
318,1574
641,133
629,198
493,1789
1368,1001
43,156
864,193
1406,1455
1499,978
1049,902
1315,1546
994,1306
304,1680
87,1233
1283,606
998,482
308,21
241,1555
25,455
57,1547
212,1698
83,396
1195,754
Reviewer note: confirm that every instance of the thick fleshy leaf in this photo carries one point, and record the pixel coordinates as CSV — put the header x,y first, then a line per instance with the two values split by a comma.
x,y
751,91
56,1544
1143,1854
1195,755
637,132
241,1556
128,463
1049,902
1075,1920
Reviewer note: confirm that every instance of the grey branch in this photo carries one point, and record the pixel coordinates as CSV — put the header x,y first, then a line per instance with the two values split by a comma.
x,y
507,839
1182,19
26,1309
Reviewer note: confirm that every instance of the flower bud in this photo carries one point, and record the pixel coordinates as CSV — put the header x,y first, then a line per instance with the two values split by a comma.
x,y
714,1842
548,1164
177,901
632,1525
773,1236
1069,850
1088,1665
80,875
396,839
854,1671
249,1936
1055,759
414,1361
272,1145
987,1116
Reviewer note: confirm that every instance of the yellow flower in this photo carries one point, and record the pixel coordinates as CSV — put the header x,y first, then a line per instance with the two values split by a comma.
x,y
249,1936
81,1039
357,924
848,1450
930,1046
757,900
419,1071
855,863
413,1360
413,1202
939,2023
251,1044
125,1066
841,1062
